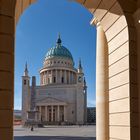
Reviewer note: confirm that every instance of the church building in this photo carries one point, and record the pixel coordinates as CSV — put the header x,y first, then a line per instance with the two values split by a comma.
x,y
61,96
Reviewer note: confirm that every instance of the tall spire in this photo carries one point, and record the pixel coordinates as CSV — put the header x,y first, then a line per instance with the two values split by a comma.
x,y
84,81
80,65
26,70
80,69
26,67
59,41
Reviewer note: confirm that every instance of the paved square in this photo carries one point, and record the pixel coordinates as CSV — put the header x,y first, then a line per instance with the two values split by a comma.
x,y
56,133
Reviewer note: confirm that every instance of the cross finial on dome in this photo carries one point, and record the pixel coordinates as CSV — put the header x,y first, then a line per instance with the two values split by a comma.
x,y
59,35
59,41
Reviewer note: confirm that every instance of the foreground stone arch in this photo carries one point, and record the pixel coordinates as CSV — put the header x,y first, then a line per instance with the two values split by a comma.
x,y
119,19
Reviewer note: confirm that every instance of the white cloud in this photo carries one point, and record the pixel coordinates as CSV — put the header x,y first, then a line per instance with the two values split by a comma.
x,y
91,102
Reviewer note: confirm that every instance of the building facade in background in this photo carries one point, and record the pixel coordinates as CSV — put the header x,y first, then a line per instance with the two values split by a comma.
x,y
62,93
91,114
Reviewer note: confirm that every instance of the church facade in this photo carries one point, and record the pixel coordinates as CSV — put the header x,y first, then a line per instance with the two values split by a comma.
x,y
61,96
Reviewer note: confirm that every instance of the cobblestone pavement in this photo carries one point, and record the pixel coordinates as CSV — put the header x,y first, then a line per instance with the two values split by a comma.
x,y
56,133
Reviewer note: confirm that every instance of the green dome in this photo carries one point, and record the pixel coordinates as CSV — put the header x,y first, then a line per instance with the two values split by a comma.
x,y
59,51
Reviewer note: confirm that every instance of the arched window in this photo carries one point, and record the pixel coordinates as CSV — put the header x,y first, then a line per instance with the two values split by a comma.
x,y
24,82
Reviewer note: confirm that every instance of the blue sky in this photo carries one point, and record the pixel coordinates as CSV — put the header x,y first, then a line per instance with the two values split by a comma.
x,y
37,31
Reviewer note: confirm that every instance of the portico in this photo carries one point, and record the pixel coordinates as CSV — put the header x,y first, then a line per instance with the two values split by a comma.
x,y
52,112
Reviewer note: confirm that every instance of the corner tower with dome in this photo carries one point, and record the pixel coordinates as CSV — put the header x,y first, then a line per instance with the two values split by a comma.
x,y
61,95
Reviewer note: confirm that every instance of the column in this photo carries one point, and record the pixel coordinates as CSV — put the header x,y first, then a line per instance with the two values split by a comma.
x,y
60,80
65,76
45,78
69,76
46,113
27,115
51,77
52,113
102,84
56,76
36,115
39,113
58,113
72,78
65,114
41,79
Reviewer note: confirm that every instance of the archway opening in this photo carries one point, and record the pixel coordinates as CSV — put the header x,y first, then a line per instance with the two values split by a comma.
x,y
38,30
120,41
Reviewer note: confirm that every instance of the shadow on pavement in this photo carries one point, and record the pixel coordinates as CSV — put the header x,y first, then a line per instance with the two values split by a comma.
x,y
52,138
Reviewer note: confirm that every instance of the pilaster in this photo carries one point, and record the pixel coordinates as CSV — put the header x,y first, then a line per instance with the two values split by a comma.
x,y
102,84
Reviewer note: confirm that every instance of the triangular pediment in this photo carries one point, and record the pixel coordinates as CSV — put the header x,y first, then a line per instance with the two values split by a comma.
x,y
50,101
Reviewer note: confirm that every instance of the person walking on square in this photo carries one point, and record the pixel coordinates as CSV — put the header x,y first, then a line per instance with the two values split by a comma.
x,y
32,128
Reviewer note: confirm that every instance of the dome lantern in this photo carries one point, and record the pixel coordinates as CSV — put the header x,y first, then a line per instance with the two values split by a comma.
x,y
59,51
59,41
